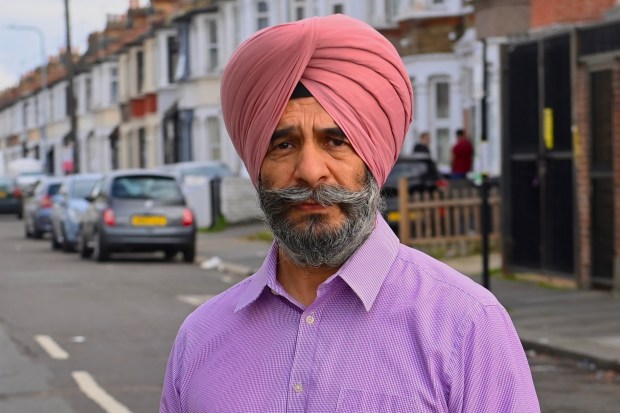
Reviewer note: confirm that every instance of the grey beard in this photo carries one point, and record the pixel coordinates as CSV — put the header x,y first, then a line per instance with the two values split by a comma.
x,y
315,242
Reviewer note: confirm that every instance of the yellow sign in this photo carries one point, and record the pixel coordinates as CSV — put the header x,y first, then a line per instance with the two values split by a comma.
x,y
3,194
576,141
148,221
548,128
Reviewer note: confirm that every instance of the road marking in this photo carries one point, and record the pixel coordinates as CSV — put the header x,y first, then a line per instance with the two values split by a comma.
x,y
90,388
51,347
194,300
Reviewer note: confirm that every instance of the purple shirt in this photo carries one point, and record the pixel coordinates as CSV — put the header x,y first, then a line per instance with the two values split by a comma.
x,y
392,331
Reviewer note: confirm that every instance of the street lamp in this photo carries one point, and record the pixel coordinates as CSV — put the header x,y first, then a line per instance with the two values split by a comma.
x,y
43,127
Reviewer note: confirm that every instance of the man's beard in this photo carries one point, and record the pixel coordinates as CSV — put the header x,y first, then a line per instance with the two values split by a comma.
x,y
314,242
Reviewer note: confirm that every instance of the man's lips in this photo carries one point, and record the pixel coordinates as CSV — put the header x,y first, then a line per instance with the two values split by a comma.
x,y
310,207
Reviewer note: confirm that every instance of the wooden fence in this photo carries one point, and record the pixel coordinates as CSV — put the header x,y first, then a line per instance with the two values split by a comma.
x,y
445,216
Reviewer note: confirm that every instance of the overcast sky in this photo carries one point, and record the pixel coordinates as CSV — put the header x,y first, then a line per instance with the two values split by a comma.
x,y
20,50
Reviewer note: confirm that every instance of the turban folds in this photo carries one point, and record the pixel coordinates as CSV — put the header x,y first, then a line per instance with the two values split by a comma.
x,y
351,69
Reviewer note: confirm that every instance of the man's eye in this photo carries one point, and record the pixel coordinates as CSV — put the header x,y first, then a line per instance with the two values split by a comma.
x,y
337,142
281,145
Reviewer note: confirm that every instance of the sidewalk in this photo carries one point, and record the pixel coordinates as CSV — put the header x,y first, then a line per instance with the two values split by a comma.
x,y
553,319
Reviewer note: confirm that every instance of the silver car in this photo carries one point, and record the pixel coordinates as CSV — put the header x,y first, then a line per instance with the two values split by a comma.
x,y
137,211
69,205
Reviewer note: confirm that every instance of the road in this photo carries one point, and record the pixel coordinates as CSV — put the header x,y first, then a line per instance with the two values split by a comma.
x,y
116,321
82,337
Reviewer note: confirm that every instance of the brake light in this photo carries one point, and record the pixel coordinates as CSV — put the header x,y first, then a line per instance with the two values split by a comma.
x,y
442,183
188,218
108,217
17,193
46,201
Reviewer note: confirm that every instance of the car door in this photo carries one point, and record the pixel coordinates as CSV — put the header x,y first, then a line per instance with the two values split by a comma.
x,y
58,209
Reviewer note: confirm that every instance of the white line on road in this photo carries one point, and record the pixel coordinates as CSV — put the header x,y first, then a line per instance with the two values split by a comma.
x,y
194,300
90,388
51,347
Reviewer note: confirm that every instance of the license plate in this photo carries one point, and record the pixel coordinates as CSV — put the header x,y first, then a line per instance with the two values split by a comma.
x,y
394,216
148,221
3,194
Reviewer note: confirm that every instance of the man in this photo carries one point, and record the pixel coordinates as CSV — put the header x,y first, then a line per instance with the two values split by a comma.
x,y
422,145
462,155
340,317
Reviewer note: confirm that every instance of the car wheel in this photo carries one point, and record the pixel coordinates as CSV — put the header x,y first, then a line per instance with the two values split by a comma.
x,y
55,244
189,254
101,253
66,245
170,254
85,252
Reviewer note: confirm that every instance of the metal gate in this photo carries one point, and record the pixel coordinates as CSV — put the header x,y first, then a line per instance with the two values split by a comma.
x,y
601,177
538,158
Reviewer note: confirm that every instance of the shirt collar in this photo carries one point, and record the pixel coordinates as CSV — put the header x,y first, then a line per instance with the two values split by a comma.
x,y
364,272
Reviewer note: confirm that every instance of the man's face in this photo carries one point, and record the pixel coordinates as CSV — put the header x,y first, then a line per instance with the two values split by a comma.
x,y
318,197
309,150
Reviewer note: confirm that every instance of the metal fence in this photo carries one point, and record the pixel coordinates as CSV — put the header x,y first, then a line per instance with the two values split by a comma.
x,y
445,216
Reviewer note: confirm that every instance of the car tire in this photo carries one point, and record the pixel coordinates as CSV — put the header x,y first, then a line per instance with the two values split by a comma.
x,y
55,244
189,254
101,253
66,245
85,251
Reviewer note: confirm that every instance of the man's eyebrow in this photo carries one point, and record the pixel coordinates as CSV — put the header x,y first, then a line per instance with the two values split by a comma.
x,y
336,130
280,133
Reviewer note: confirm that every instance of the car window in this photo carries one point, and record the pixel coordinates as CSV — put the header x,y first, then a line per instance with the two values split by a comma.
x,y
82,187
146,187
410,168
38,189
6,184
97,188
53,189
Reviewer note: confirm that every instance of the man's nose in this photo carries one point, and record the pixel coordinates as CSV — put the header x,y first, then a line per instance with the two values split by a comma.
x,y
311,168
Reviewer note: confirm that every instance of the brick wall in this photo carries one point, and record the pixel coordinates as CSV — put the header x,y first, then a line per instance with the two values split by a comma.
x,y
582,166
549,12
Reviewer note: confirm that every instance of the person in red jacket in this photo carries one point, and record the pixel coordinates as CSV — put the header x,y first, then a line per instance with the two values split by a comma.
x,y
462,155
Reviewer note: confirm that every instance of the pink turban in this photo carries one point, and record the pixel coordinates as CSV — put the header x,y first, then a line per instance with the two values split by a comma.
x,y
351,69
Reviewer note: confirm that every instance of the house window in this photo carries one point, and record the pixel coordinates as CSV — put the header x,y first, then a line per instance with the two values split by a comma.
x,y
440,120
140,71
52,107
298,9
299,13
172,44
215,141
213,61
25,114
262,15
88,94
113,85
338,9
442,100
142,147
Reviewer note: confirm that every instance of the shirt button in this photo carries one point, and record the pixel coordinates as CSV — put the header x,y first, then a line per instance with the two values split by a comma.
x,y
298,388
310,319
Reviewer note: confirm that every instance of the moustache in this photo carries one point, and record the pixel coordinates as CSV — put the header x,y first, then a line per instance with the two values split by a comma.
x,y
325,195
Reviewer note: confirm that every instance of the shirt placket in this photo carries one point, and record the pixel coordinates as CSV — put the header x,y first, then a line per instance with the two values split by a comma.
x,y
305,347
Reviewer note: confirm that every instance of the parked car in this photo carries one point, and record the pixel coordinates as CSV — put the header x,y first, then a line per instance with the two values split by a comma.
x,y
206,169
422,176
68,206
137,211
10,196
38,207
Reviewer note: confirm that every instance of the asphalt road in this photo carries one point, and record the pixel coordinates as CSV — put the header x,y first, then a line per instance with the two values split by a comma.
x,y
82,337
116,322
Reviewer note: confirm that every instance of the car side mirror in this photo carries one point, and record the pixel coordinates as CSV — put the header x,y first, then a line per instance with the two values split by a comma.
x,y
89,198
